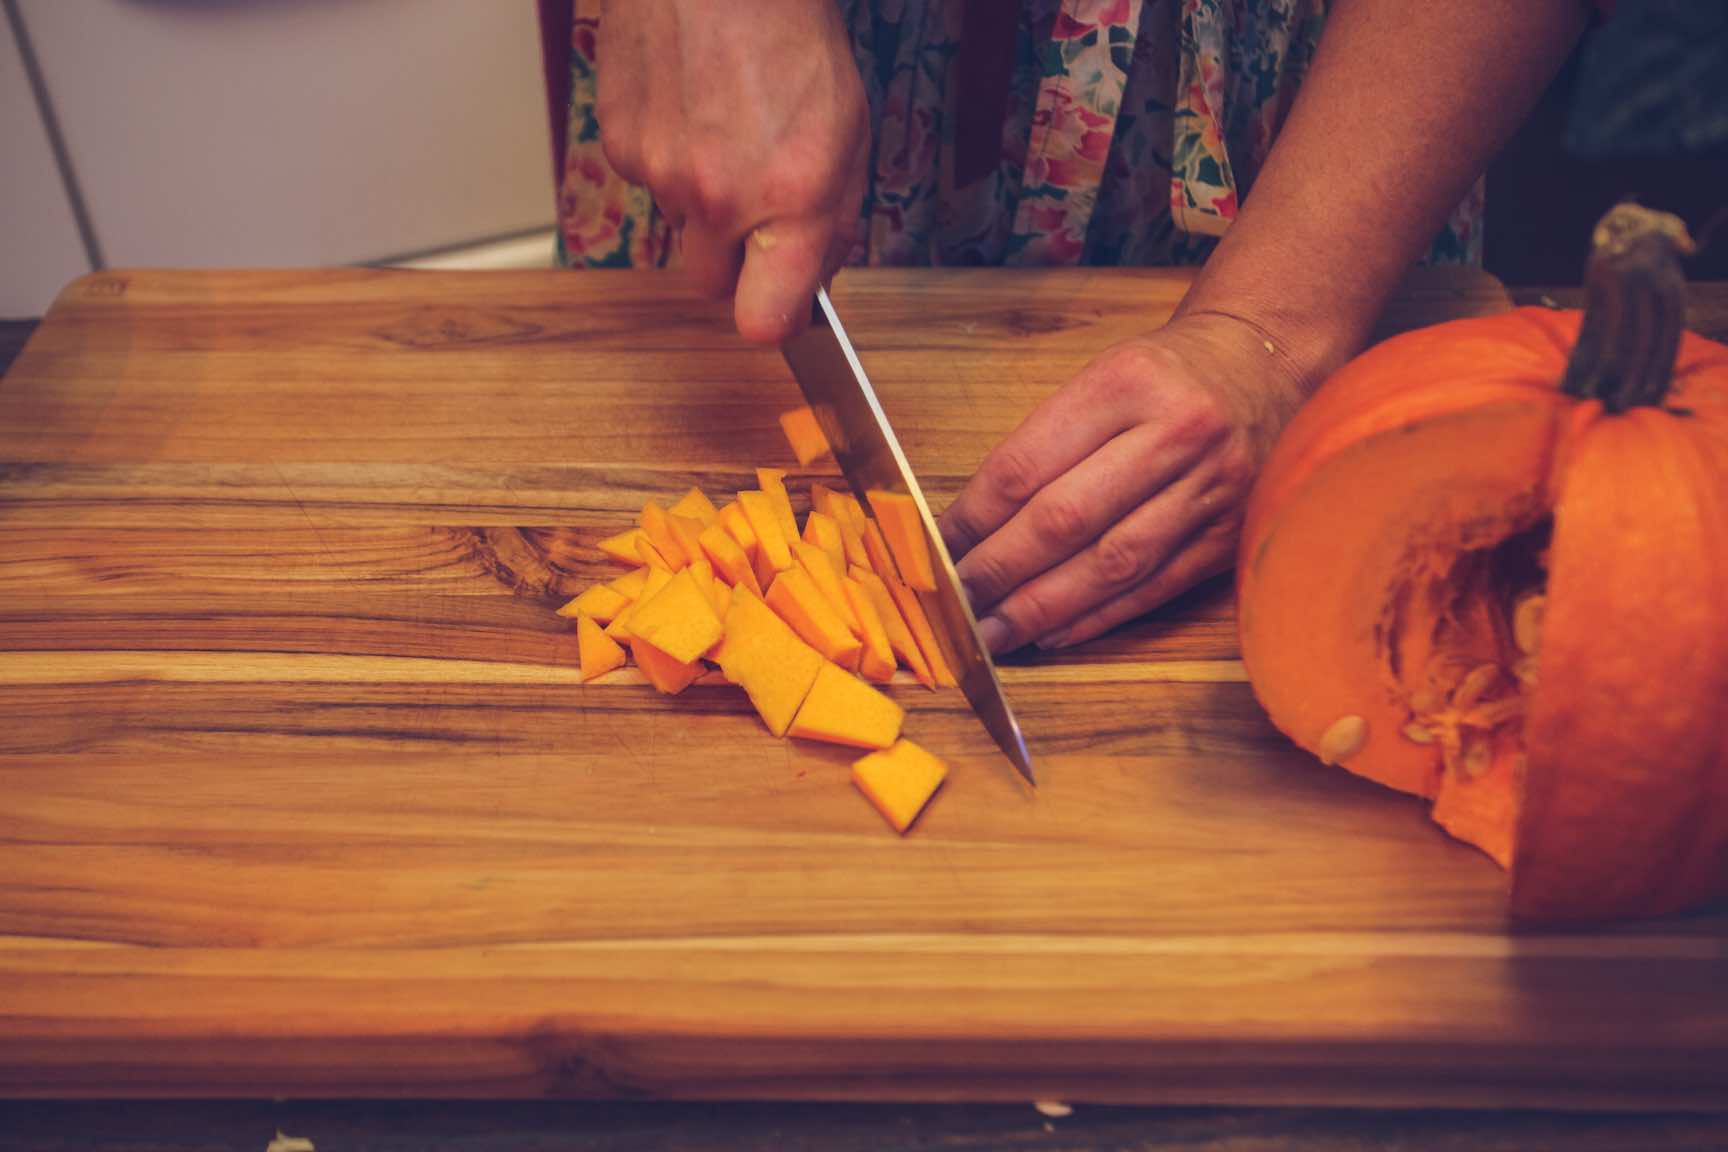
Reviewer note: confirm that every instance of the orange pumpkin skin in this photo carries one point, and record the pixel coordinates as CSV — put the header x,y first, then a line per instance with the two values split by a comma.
x,y
1407,504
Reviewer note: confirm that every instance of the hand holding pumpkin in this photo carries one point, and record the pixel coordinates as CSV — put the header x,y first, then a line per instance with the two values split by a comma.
x,y
1123,489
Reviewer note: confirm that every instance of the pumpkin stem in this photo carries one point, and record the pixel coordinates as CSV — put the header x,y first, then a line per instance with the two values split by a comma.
x,y
1634,309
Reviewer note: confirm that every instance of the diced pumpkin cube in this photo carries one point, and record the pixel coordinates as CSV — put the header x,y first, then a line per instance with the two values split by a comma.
x,y
657,526
907,601
764,520
773,482
900,637
897,513
697,507
821,530
619,629
821,500
842,709
621,546
717,593
854,510
737,526
665,673
680,619
876,548
652,556
688,533
899,781
601,603
805,434
831,505
598,652
762,655
630,584
827,580
801,604
877,661
728,557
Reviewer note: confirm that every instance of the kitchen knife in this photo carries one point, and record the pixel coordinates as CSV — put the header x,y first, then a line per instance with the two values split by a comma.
x,y
833,381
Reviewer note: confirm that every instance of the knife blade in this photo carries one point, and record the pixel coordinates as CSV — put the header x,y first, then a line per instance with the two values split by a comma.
x,y
833,381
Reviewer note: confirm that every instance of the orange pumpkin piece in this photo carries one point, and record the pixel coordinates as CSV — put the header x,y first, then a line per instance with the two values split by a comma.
x,y
805,434
772,481
822,573
688,533
630,584
619,629
650,555
728,557
1484,564
717,591
657,527
900,637
759,510
622,546
876,550
899,781
737,526
665,673
877,661
898,515
821,530
831,505
679,620
601,603
598,652
842,709
696,506
762,655
907,601
800,603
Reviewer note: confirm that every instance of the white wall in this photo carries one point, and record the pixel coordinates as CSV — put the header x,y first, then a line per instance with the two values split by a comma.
x,y
39,245
295,132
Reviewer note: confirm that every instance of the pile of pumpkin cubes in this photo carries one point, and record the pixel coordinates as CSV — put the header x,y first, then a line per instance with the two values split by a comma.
x,y
804,620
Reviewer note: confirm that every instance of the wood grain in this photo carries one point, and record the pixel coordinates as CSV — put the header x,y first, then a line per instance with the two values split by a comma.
x,y
302,797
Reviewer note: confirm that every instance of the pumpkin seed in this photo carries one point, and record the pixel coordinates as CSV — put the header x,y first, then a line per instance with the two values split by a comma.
x,y
1418,733
1494,713
1527,623
1475,685
1344,739
1478,758
1525,670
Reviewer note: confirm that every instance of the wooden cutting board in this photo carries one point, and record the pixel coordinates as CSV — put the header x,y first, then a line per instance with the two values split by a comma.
x,y
300,795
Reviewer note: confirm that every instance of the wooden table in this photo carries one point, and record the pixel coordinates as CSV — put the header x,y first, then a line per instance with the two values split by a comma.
x,y
114,589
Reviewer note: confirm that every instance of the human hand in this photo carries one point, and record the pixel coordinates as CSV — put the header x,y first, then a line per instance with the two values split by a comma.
x,y
1126,487
747,123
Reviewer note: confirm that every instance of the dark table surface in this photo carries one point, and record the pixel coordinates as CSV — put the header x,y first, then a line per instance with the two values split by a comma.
x,y
386,1126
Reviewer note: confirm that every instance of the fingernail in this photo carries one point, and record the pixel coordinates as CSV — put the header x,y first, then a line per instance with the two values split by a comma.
x,y
1054,641
993,630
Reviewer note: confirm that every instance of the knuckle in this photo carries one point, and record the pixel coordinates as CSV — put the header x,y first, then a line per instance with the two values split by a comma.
x,y
1200,418
1012,473
1031,613
1118,561
712,187
1236,468
1122,374
1062,521
987,577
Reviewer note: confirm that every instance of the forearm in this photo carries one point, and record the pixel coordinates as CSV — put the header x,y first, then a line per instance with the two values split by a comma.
x,y
1406,102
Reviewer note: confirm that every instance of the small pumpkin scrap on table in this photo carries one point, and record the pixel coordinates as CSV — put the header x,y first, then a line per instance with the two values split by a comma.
x,y
808,621
1487,564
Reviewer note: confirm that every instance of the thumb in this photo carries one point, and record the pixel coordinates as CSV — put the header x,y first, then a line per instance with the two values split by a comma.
x,y
783,264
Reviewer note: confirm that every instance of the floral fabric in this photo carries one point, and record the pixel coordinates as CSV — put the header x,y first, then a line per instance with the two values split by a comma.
x,y
1130,132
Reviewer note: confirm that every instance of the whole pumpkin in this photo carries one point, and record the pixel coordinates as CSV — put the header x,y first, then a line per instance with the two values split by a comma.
x,y
1487,564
